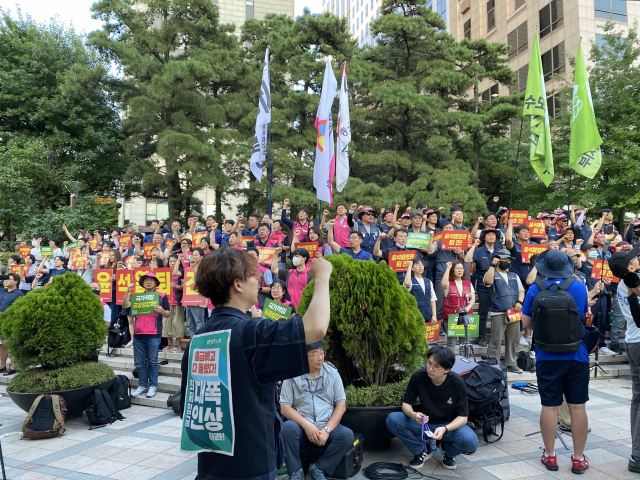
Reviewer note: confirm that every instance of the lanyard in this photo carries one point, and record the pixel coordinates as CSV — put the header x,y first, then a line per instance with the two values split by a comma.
x,y
313,395
426,432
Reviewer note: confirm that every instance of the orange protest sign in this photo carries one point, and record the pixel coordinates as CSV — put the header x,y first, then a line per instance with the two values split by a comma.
x,y
599,272
125,241
147,247
15,269
518,216
78,262
190,296
433,332
24,250
169,243
311,247
164,275
454,239
437,237
536,228
128,261
137,273
123,279
103,278
93,243
266,254
512,316
398,261
103,258
530,249
248,239
197,237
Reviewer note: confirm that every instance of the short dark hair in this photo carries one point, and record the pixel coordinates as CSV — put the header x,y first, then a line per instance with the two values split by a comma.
x,y
304,253
358,234
445,223
341,204
399,230
266,225
443,355
37,236
253,249
199,250
422,205
32,257
255,215
215,219
188,240
315,345
303,209
154,221
15,258
281,283
193,216
231,222
137,234
206,239
16,278
279,222
55,240
218,271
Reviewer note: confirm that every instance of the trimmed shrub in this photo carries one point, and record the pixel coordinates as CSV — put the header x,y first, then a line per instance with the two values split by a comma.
x,y
390,395
376,332
54,326
36,380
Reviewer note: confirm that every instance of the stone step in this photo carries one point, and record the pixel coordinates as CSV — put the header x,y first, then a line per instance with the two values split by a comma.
x,y
166,383
128,353
126,364
613,371
159,401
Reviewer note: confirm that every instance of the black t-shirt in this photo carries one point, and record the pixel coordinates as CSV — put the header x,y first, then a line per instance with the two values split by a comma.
x,y
442,403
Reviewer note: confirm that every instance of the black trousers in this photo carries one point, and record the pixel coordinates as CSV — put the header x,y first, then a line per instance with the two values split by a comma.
x,y
483,312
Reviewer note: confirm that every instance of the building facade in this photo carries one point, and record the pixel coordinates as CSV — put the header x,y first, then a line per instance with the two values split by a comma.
x,y
142,210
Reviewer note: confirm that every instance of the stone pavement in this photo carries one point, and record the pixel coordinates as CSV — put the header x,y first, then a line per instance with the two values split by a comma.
x,y
146,446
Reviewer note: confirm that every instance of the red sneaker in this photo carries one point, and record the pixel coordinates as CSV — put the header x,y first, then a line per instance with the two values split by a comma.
x,y
579,466
549,461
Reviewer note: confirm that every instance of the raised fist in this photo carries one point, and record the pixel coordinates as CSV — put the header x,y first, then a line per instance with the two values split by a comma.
x,y
332,222
383,235
325,212
353,207
496,199
285,203
480,219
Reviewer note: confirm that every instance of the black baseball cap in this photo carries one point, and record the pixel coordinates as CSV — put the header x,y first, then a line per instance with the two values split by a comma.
x,y
619,262
586,246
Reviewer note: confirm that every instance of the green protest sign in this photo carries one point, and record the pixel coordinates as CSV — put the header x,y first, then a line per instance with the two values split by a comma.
x,y
275,310
208,424
455,330
46,251
71,246
143,303
417,240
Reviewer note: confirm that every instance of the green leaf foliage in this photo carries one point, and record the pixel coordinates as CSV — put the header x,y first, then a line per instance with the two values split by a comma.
x,y
36,380
391,395
54,326
376,330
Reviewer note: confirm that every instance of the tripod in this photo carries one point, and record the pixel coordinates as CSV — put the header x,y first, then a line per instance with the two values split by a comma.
x,y
559,434
596,366
466,348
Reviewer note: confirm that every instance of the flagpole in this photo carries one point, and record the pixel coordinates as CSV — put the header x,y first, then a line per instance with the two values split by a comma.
x,y
569,204
515,167
320,210
270,172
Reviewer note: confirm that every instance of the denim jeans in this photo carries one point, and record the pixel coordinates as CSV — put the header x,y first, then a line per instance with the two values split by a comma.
x,y
462,440
145,358
195,318
618,320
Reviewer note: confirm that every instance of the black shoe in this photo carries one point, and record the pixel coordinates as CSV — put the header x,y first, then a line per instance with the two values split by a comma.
x,y
448,462
482,342
418,460
634,466
615,347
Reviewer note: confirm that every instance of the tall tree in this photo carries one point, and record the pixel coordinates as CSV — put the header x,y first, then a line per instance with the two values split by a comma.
x,y
178,61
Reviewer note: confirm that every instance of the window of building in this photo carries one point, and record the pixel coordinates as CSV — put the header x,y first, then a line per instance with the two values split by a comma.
x,y
366,9
429,5
372,5
615,9
361,37
467,29
157,209
442,9
377,13
521,80
519,3
517,40
491,16
553,61
357,23
551,17
361,18
366,29
490,93
249,8
553,106
600,40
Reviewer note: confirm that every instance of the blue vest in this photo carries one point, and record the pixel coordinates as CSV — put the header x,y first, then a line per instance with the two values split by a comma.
x,y
552,234
519,268
503,294
369,239
482,257
443,257
423,298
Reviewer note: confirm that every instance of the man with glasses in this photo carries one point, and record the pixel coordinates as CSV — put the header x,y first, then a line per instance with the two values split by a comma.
x,y
366,225
314,404
443,407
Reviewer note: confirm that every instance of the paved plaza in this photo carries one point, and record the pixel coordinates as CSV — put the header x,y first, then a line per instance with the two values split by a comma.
x,y
146,446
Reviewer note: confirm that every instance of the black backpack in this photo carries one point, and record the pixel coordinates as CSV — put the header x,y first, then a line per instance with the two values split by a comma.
x,y
557,326
485,390
525,362
45,418
174,401
100,409
121,392
119,335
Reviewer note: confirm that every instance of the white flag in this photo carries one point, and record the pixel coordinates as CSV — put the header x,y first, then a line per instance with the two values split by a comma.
x,y
259,151
344,135
324,168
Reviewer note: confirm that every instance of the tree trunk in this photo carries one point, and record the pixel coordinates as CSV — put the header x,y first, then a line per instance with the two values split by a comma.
x,y
174,194
219,206
476,139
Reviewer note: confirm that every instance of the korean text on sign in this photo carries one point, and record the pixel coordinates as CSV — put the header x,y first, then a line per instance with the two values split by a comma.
x,y
536,228
452,240
530,249
399,261
518,216
601,270
433,332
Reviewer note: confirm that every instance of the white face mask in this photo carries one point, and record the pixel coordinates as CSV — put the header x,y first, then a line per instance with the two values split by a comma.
x,y
34,243
295,261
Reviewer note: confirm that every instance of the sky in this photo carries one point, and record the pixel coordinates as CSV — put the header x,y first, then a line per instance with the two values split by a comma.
x,y
77,12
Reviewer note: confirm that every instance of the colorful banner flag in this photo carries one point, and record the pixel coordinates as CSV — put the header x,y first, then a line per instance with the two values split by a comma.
x,y
147,247
14,268
417,240
125,241
518,216
266,254
585,156
259,151
512,316
455,330
197,237
343,134
78,262
324,167
535,105
123,279
103,277
399,260
46,251
601,270
311,247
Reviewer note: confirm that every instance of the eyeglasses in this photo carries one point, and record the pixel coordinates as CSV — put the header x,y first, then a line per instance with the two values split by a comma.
x,y
316,355
369,213
433,366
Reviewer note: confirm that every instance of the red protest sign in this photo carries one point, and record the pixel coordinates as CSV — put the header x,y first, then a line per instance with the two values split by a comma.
x,y
398,261
164,275
147,247
248,239
512,316
78,262
103,259
433,332
190,296
169,243
530,249
598,271
93,243
311,247
15,269
123,279
437,237
137,273
24,250
518,216
266,254
103,278
536,228
454,239
125,241
197,237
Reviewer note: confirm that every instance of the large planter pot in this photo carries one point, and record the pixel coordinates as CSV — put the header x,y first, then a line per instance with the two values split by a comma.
x,y
371,423
76,399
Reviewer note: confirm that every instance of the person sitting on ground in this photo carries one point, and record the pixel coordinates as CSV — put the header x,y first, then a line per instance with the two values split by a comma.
x,y
443,405
314,416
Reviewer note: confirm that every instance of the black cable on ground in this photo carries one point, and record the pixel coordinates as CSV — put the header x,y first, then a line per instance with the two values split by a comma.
x,y
392,471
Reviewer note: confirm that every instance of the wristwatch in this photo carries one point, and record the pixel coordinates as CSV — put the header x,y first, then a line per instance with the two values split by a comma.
x,y
328,430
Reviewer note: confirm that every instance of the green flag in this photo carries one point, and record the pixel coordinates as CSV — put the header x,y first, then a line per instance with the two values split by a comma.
x,y
535,104
585,156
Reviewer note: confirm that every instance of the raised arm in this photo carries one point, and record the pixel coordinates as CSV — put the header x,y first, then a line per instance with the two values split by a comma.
x,y
474,230
330,240
531,278
316,318
444,283
283,215
376,248
295,239
433,247
274,265
66,231
468,258
489,276
323,224
508,237
407,277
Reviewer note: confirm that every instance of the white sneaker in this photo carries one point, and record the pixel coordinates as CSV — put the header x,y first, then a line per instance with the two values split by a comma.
x,y
139,391
152,392
523,342
528,340
128,345
606,351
